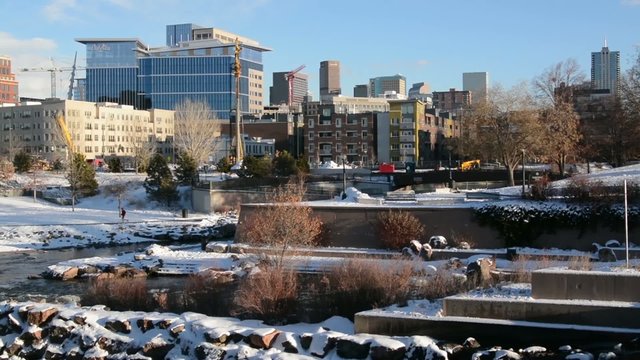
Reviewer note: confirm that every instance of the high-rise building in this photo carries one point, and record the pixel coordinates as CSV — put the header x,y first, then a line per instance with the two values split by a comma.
x,y
330,78
8,83
198,68
477,83
452,100
421,91
379,85
279,91
361,90
605,70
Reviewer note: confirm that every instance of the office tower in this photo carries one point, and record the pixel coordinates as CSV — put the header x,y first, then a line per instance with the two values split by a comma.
x,y
8,83
421,91
379,85
477,83
279,91
452,100
361,90
178,33
330,78
605,70
127,71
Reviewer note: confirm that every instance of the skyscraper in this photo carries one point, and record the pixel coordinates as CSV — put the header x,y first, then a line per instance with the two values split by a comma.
x,y
279,91
8,83
330,78
361,90
605,70
198,68
477,83
379,85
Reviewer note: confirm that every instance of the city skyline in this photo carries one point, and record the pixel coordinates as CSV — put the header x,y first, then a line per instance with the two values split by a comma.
x,y
506,39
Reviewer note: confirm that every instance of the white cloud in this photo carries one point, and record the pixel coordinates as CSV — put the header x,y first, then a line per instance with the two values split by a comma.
x,y
59,9
30,53
422,62
631,2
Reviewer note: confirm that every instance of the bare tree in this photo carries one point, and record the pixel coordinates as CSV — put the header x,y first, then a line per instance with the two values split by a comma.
x,y
504,126
142,149
563,133
196,130
549,85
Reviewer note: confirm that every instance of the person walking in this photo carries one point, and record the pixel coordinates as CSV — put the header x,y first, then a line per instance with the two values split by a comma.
x,y
122,213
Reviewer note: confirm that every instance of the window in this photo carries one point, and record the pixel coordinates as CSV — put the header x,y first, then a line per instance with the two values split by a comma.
x,y
364,122
87,149
311,135
312,148
338,134
338,122
87,137
365,134
339,147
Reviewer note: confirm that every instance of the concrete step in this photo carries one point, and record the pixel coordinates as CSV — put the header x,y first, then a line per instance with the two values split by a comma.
x,y
591,285
580,312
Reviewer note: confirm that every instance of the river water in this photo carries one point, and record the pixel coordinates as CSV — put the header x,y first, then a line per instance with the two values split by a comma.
x,y
15,269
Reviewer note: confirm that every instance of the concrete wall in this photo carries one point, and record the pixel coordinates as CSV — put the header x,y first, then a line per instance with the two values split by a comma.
x,y
592,285
544,311
207,201
356,227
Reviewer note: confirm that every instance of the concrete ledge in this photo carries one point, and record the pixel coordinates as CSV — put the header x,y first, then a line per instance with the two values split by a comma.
x,y
489,331
591,285
595,313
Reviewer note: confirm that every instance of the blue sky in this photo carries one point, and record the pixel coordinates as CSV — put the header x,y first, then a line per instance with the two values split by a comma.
x,y
425,40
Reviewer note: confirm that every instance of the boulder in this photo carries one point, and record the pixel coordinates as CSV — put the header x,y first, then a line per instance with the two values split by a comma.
x,y
54,353
206,351
216,247
176,330
464,245
157,349
33,335
120,326
612,244
387,349
471,343
606,254
111,345
438,242
454,263
14,323
426,252
217,337
305,340
41,316
262,338
144,324
165,323
353,347
415,246
479,271
68,274
58,334
322,343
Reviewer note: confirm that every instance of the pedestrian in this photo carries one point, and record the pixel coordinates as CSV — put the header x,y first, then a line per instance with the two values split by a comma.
x,y
122,213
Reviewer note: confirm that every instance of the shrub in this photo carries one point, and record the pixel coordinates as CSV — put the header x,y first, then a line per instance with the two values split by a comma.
x,y
256,167
187,171
115,165
22,162
397,228
438,285
540,188
159,183
6,169
360,284
224,165
268,295
284,164
523,265
204,293
582,263
118,294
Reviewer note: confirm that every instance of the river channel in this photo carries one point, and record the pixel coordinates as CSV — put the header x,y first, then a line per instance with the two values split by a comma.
x,y
16,268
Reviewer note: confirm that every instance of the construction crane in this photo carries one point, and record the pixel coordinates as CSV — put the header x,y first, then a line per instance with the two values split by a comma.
x,y
53,70
65,133
289,77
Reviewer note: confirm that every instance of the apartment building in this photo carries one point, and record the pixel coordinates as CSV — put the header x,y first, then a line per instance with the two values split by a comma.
x,y
452,100
8,83
98,130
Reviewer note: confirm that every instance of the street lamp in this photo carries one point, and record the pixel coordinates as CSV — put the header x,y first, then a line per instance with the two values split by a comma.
x,y
449,148
523,174
344,176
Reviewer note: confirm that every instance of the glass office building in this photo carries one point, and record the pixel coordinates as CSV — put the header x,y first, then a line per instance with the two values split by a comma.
x,y
127,72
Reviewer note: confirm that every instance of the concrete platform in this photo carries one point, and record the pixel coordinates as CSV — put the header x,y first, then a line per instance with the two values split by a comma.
x,y
592,285
593,313
490,331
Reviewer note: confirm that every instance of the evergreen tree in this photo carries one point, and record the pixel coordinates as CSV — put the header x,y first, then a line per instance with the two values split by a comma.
x,y
256,167
115,165
22,162
284,164
159,183
81,177
224,165
187,171
303,164
58,165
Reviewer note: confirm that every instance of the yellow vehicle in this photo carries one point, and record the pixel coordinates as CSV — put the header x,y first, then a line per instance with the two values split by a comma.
x,y
470,165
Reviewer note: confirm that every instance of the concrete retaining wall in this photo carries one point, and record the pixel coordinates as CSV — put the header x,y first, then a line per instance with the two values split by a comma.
x,y
355,226
592,285
489,331
210,200
548,311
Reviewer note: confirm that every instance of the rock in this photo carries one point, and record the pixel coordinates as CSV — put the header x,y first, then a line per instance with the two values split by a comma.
x,y
322,344
263,338
33,334
415,246
120,326
426,252
612,244
227,230
79,319
95,353
353,347
165,323
112,346
407,253
479,271
33,352
422,351
105,276
305,341
144,325
15,347
87,270
471,343
216,247
176,330
157,349
58,334
207,351
454,263
53,353
14,323
139,257
69,274
606,254
464,245
438,242
385,352
607,356
217,337
39,317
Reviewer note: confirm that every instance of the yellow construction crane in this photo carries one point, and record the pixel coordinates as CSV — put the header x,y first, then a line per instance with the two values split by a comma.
x,y
54,70
66,134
